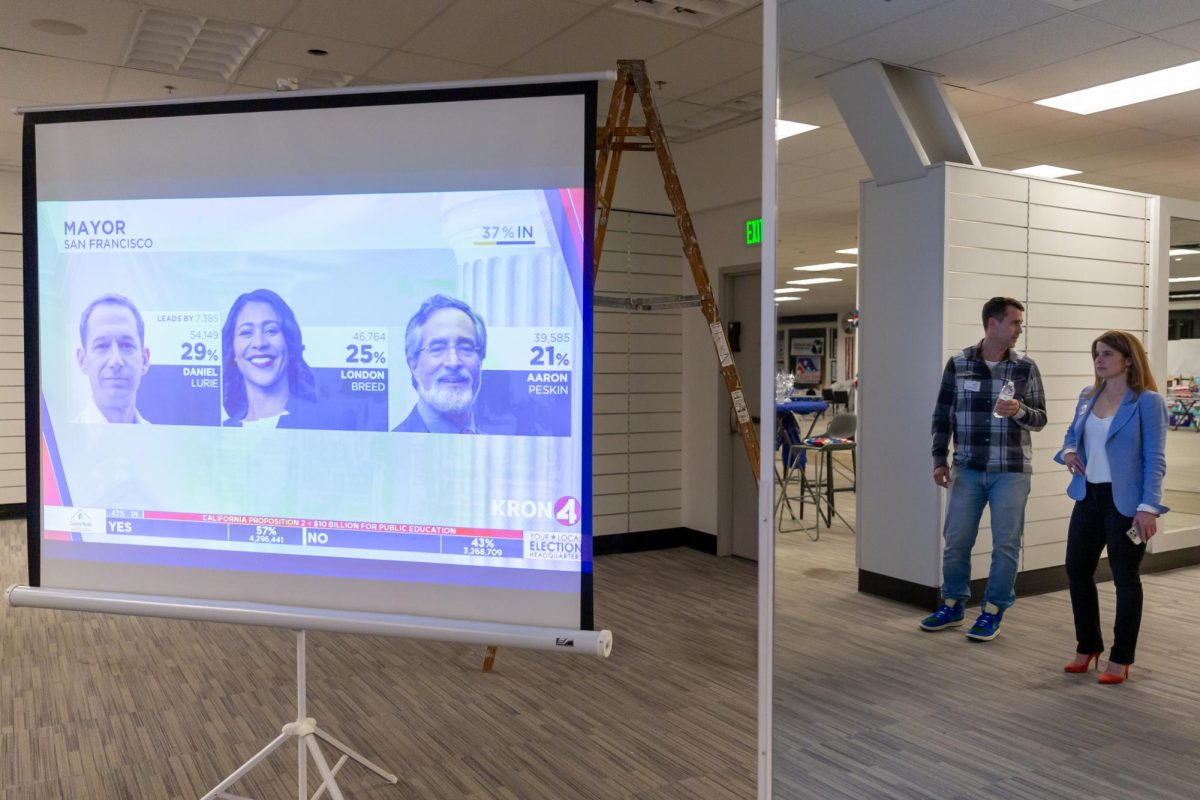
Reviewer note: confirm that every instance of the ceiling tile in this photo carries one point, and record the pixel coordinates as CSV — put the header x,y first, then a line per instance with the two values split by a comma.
x,y
379,22
940,29
674,112
1068,130
1066,153
1123,60
1047,42
402,67
261,12
291,47
262,74
814,143
813,111
968,102
487,32
748,83
700,62
1013,118
597,41
109,26
1155,111
846,160
135,84
1184,127
809,25
1184,35
1106,162
1145,17
51,81
801,78
745,27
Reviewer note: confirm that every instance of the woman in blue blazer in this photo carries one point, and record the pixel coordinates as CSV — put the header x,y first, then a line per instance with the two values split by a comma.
x,y
1115,452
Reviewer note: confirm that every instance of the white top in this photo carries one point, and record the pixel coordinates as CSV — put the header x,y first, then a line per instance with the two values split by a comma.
x,y
91,414
265,422
1095,431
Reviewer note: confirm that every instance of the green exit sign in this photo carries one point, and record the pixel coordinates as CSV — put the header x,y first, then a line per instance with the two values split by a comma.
x,y
754,231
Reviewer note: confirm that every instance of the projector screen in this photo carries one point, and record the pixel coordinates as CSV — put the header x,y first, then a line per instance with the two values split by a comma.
x,y
322,351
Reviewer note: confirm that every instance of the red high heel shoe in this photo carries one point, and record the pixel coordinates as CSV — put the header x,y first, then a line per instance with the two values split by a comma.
x,y
1086,666
1111,679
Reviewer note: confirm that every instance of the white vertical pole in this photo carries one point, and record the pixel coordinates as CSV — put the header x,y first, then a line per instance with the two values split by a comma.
x,y
301,713
766,485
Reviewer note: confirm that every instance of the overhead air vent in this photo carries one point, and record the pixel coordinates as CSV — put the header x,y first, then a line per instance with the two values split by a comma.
x,y
191,46
693,13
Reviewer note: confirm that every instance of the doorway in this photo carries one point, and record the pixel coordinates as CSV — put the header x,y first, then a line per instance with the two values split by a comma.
x,y
741,306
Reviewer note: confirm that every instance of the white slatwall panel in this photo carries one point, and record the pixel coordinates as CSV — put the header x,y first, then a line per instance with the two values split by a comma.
x,y
1077,257
12,373
638,364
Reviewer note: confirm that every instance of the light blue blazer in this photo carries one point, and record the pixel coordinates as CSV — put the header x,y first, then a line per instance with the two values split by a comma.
x,y
1136,448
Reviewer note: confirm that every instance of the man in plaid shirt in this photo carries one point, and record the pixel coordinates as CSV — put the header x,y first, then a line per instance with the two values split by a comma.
x,y
992,464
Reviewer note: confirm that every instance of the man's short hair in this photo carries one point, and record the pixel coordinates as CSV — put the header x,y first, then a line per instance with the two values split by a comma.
x,y
997,308
112,300
412,335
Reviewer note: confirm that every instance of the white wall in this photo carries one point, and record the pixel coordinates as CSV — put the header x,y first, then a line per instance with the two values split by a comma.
x,y
10,202
1076,255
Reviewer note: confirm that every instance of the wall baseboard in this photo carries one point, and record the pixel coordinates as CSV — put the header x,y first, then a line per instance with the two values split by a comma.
x,y
1037,581
662,539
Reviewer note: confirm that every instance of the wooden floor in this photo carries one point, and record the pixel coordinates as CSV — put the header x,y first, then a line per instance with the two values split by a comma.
x,y
97,707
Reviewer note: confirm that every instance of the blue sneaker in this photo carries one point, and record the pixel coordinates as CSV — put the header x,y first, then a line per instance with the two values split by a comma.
x,y
987,627
947,616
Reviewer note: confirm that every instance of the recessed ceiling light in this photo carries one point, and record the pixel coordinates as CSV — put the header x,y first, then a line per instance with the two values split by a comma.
x,y
785,299
1046,171
789,291
1183,251
804,281
1179,280
849,251
1138,89
785,128
825,267
57,27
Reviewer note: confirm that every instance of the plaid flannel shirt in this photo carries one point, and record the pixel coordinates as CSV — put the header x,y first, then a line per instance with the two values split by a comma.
x,y
964,410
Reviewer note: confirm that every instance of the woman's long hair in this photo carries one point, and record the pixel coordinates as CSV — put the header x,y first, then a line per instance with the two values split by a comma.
x,y
1138,376
301,382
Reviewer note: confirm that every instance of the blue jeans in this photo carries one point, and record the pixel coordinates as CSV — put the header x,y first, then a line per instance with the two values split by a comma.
x,y
970,490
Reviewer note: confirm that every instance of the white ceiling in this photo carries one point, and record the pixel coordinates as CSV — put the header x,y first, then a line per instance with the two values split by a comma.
x,y
996,56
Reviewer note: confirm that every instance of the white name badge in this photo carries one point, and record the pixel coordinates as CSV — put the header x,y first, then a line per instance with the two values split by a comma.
x,y
971,386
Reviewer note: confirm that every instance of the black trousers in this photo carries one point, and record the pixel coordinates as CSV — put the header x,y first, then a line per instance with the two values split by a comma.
x,y
1095,524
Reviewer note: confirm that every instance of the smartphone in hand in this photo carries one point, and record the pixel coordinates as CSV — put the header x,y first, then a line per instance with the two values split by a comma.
x,y
1134,536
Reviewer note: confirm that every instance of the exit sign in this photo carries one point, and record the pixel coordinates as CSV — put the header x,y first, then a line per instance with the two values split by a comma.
x,y
754,231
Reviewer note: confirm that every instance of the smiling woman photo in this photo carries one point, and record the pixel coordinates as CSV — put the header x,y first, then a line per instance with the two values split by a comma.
x,y
266,380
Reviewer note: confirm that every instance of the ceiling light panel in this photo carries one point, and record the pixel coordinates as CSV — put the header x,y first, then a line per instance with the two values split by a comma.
x,y
693,13
185,44
1138,89
1183,251
1046,171
849,251
825,267
810,281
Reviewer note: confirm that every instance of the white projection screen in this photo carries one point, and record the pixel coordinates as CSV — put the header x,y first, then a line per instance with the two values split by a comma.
x,y
323,351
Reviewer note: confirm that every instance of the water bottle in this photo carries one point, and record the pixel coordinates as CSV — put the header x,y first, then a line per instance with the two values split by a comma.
x,y
1008,392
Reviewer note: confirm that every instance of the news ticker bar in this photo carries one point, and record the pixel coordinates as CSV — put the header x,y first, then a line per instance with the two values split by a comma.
x,y
64,522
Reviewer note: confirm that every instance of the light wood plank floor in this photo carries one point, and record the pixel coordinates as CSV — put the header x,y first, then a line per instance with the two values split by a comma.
x,y
119,708
867,706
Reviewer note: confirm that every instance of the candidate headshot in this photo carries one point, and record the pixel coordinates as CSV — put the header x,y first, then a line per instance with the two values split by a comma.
x,y
112,353
445,344
265,380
